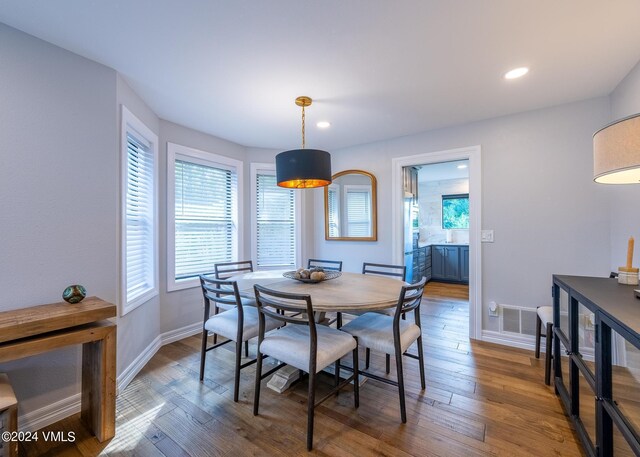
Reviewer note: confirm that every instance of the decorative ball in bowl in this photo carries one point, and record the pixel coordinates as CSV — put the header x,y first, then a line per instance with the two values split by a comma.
x,y
312,275
74,293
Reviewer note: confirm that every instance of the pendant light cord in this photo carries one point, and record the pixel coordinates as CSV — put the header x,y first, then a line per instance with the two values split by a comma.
x,y
303,127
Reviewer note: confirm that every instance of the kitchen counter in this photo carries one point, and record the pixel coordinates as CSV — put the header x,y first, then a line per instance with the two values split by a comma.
x,y
422,244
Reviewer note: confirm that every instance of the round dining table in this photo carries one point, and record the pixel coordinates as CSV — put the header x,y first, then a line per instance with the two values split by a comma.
x,y
348,292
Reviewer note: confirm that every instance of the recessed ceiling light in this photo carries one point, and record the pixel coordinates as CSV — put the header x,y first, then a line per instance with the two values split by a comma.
x,y
323,125
516,73
461,166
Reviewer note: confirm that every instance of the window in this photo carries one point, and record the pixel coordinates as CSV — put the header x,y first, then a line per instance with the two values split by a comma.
x,y
455,211
139,266
334,210
358,209
202,213
275,228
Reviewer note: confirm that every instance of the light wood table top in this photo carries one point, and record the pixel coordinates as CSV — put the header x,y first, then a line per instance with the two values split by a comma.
x,y
349,292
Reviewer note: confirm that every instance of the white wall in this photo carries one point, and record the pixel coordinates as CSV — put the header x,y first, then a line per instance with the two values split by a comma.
x,y
58,193
538,195
625,218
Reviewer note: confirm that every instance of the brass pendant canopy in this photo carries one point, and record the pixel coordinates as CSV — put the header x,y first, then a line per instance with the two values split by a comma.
x,y
616,152
303,168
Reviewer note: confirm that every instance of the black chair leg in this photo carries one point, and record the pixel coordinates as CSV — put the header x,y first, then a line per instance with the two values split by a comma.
x,y
356,380
336,379
538,331
339,320
203,353
367,356
547,361
236,381
388,361
246,348
421,363
256,390
311,399
403,408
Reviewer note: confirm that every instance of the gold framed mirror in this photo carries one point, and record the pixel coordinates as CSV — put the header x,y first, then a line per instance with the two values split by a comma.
x,y
350,207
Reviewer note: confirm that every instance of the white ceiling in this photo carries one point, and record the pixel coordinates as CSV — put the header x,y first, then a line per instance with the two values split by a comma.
x,y
376,69
443,171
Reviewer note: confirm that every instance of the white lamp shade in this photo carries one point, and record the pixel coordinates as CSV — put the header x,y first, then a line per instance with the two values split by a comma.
x,y
616,152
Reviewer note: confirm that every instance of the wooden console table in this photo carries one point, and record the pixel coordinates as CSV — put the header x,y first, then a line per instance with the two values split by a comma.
x,y
31,331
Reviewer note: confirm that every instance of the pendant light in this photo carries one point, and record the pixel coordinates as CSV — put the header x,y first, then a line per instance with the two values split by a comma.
x,y
303,168
616,152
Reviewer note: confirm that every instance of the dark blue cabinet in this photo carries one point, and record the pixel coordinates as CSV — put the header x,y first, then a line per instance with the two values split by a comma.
x,y
421,264
464,263
450,263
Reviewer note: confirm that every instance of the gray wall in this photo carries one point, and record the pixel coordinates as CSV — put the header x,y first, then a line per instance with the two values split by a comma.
x,y
58,193
625,217
138,328
538,195
184,307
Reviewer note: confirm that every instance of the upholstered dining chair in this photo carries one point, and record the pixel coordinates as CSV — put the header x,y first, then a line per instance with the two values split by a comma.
x,y
544,316
334,265
397,271
302,344
225,270
392,335
239,323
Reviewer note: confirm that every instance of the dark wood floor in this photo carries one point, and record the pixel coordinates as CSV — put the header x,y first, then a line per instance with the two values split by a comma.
x,y
481,399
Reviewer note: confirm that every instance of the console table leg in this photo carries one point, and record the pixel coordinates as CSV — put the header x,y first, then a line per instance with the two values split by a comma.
x,y
99,386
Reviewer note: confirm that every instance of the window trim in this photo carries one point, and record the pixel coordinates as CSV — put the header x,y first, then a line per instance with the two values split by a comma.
x,y
130,123
451,197
208,159
271,168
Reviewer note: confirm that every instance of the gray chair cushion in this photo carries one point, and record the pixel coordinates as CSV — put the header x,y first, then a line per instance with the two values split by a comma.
x,y
226,323
375,331
291,344
546,314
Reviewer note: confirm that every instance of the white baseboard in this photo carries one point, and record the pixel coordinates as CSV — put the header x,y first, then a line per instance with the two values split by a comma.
x,y
163,339
47,415
181,333
138,364
510,339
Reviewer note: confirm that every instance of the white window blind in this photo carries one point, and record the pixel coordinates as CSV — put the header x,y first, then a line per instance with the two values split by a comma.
x,y
275,223
139,219
358,213
205,207
334,211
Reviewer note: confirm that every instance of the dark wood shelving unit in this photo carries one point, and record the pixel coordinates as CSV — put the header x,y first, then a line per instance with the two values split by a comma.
x,y
615,309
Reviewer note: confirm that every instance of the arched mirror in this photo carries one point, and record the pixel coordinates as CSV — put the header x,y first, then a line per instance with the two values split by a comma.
x,y
350,207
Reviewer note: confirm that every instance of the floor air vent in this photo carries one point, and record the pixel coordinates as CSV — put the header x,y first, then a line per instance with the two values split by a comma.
x,y
515,319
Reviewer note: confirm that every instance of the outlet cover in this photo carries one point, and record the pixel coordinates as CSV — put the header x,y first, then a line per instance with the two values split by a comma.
x,y
486,236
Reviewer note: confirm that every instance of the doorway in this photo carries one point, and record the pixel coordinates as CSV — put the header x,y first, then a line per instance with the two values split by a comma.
x,y
445,225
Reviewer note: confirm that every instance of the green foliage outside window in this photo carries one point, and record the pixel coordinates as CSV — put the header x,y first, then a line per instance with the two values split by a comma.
x,y
455,211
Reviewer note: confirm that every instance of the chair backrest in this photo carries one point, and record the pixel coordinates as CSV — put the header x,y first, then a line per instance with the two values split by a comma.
x,y
276,305
410,299
399,271
221,291
228,269
335,265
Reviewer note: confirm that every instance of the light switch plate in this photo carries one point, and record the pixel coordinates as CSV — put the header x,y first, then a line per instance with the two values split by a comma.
x,y
487,236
